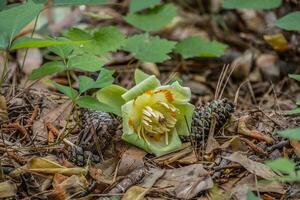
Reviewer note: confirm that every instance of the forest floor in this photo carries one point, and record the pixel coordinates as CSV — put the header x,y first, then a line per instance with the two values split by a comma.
x,y
49,150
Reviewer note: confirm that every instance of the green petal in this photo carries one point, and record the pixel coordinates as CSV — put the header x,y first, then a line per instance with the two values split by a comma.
x,y
184,120
181,95
139,76
111,95
148,84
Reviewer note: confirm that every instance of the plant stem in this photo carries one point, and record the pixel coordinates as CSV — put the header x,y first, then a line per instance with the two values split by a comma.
x,y
33,30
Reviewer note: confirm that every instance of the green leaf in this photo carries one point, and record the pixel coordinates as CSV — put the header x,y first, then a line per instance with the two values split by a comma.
x,y
298,102
139,76
64,50
295,76
283,165
290,22
106,39
85,63
47,69
294,111
12,20
252,196
2,4
111,95
69,92
149,49
92,103
85,83
27,42
195,46
154,19
77,34
74,2
252,4
293,134
105,78
138,5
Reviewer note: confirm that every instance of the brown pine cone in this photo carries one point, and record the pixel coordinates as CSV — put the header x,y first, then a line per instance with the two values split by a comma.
x,y
98,128
220,109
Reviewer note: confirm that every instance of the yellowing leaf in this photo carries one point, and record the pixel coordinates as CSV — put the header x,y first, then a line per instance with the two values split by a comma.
x,y
135,192
277,42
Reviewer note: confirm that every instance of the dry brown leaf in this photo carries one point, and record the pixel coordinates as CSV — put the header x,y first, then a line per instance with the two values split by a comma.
x,y
69,188
56,116
254,167
7,189
277,42
185,182
132,158
174,156
135,192
296,145
48,166
138,192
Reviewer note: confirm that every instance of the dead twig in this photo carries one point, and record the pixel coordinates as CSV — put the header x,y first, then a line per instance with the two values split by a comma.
x,y
242,129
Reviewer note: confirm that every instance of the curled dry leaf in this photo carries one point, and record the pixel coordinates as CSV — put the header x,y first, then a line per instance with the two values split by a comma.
x,y
185,182
131,159
7,189
48,166
69,188
138,192
254,167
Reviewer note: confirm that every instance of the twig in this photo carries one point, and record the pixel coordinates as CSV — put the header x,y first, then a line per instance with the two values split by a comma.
x,y
242,129
254,146
131,179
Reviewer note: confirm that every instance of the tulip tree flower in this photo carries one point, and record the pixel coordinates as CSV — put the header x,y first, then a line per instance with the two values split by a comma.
x,y
153,115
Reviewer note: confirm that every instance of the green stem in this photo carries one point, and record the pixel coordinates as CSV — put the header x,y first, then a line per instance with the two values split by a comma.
x,y
33,30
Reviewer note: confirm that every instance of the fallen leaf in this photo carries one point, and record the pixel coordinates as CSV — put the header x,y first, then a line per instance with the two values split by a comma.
x,y
277,42
185,182
131,159
254,167
296,145
56,116
174,156
48,166
7,189
69,188
135,192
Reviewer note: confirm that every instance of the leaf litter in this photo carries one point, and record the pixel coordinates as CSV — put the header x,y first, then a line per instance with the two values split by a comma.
x,y
39,129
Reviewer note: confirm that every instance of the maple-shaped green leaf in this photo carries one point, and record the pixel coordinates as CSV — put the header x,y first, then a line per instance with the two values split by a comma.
x,y
88,63
138,5
104,40
149,48
196,46
154,19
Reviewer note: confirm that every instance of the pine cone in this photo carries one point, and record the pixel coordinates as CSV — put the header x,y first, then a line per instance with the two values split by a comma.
x,y
220,109
98,130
